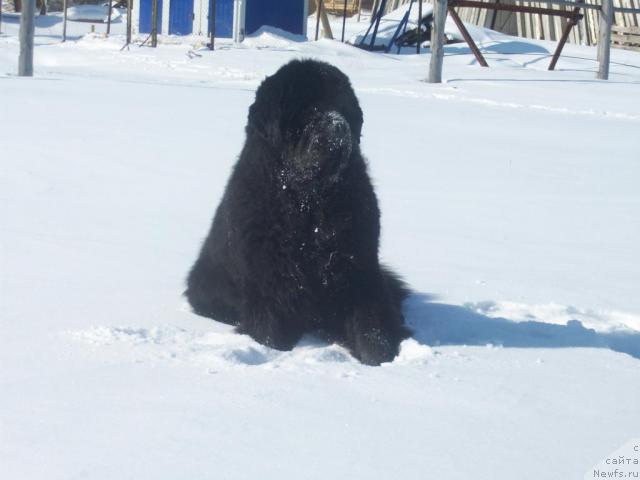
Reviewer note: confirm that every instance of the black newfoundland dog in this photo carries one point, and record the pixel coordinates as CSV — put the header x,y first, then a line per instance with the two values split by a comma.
x,y
293,247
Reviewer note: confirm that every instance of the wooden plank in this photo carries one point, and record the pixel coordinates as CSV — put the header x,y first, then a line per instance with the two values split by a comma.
x,y
628,30
625,16
520,22
592,25
618,17
557,25
625,39
337,7
527,22
510,8
627,47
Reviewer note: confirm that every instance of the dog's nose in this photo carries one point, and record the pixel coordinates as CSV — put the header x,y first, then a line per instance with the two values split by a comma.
x,y
328,133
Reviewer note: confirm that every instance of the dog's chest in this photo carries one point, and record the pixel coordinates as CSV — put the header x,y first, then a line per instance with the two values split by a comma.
x,y
319,242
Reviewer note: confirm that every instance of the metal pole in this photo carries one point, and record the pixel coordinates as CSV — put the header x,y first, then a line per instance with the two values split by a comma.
x,y
154,23
437,40
25,61
359,9
0,16
604,39
129,20
65,4
374,9
572,22
109,17
212,27
467,37
419,27
381,9
344,18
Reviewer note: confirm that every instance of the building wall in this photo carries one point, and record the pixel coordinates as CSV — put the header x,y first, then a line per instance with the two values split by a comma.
x,y
201,14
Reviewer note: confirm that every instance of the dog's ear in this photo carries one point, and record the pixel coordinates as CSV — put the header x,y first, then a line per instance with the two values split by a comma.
x,y
265,112
354,115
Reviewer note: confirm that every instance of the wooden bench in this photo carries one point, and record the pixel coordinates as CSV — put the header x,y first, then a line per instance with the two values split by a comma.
x,y
625,37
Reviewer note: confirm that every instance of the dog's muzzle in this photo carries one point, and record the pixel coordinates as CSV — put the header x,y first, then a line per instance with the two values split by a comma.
x,y
326,138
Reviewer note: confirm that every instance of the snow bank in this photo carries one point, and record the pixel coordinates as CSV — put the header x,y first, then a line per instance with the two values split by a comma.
x,y
389,24
92,13
272,37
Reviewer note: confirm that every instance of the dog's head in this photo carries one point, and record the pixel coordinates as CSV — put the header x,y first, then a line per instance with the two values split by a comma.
x,y
309,113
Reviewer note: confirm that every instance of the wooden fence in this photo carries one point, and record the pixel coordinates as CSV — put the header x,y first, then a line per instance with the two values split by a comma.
x,y
606,12
543,27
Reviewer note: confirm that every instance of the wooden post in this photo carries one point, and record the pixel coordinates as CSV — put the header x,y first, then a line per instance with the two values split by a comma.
x,y
109,11
25,61
129,21
604,39
318,7
326,26
419,27
154,23
437,40
65,4
212,27
344,18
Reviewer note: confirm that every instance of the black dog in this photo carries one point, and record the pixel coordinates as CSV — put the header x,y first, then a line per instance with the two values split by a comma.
x,y
294,243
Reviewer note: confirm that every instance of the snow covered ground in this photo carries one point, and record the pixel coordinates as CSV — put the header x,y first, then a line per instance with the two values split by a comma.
x,y
510,203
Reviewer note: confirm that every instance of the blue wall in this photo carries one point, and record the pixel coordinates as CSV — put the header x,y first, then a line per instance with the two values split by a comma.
x,y
224,18
180,17
146,7
285,14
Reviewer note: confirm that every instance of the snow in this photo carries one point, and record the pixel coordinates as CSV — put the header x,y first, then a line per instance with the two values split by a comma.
x,y
389,24
509,201
91,13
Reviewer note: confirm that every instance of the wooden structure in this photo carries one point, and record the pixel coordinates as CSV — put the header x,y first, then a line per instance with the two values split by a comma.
x,y
336,7
606,12
626,37
542,27
572,17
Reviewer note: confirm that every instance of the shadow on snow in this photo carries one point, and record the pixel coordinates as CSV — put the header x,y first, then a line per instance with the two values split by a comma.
x,y
437,324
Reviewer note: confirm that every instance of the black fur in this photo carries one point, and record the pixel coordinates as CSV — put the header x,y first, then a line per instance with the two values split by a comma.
x,y
294,243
